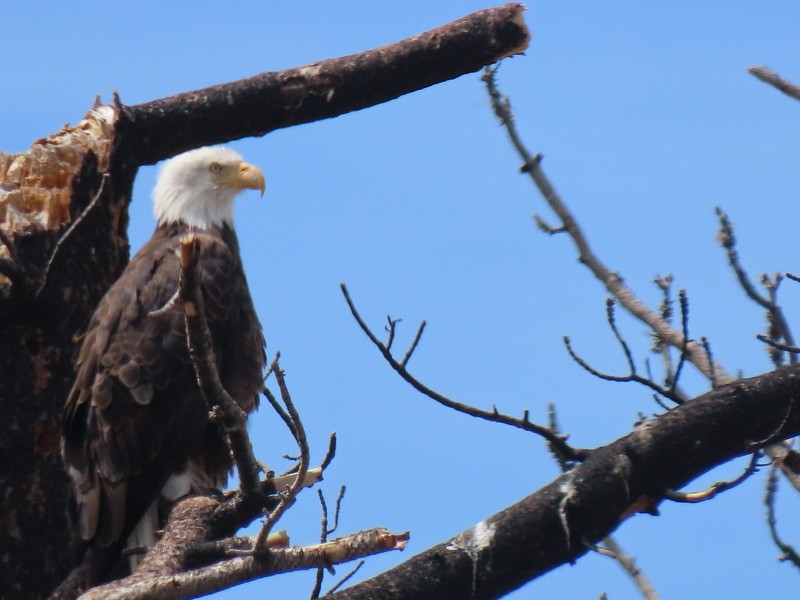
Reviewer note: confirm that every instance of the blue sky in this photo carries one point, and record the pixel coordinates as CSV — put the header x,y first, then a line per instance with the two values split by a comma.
x,y
647,119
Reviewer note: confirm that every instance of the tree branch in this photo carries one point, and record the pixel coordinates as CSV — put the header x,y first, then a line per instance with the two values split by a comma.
x,y
237,570
324,89
494,416
553,526
766,75
612,281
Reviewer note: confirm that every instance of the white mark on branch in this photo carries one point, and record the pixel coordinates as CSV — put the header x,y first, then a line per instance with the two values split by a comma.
x,y
474,542
570,493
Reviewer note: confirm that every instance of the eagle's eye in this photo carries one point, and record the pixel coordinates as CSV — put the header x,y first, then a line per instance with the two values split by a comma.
x,y
215,167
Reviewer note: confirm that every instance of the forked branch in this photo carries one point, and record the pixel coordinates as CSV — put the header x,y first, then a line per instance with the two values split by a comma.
x,y
494,415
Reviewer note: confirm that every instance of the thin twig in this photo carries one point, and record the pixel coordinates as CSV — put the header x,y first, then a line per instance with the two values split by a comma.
x,y
727,239
325,533
344,579
684,303
300,436
320,574
632,377
788,552
717,488
68,233
331,453
612,549
612,323
390,327
770,342
413,345
707,347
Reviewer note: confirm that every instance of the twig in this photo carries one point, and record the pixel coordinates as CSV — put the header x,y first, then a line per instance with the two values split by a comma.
x,y
413,345
201,351
707,347
717,488
612,323
564,463
325,533
640,580
68,233
347,577
631,377
727,239
788,552
494,415
766,75
780,346
390,327
331,453
300,436
684,302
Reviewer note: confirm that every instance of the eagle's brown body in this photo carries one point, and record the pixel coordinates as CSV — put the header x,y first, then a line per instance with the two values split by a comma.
x,y
135,415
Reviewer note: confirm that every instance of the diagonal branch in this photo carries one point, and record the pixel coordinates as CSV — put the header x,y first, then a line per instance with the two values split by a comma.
x,y
495,416
766,75
553,526
324,89
613,282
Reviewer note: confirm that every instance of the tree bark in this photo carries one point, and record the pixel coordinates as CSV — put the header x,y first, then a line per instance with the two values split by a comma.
x,y
557,524
63,241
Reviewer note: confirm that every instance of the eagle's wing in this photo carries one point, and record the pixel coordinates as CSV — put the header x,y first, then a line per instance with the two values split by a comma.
x,y
135,412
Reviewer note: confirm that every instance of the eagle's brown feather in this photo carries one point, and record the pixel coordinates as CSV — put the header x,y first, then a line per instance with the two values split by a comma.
x,y
135,414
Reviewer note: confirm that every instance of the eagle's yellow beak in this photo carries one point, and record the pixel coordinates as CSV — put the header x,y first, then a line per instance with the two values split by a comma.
x,y
250,177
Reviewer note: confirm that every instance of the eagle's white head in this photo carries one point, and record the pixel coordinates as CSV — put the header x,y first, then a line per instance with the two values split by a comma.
x,y
198,187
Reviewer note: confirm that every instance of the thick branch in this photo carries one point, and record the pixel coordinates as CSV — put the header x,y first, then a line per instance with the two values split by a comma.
x,y
246,568
324,89
554,525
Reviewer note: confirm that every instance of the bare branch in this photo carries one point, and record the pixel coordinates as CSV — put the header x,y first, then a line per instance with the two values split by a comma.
x,y
611,280
494,415
684,302
766,75
552,526
413,345
324,89
788,551
325,533
631,377
778,325
612,323
238,570
613,550
717,488
288,498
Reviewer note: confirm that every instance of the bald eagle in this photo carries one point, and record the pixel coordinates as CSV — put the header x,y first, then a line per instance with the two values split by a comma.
x,y
135,426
